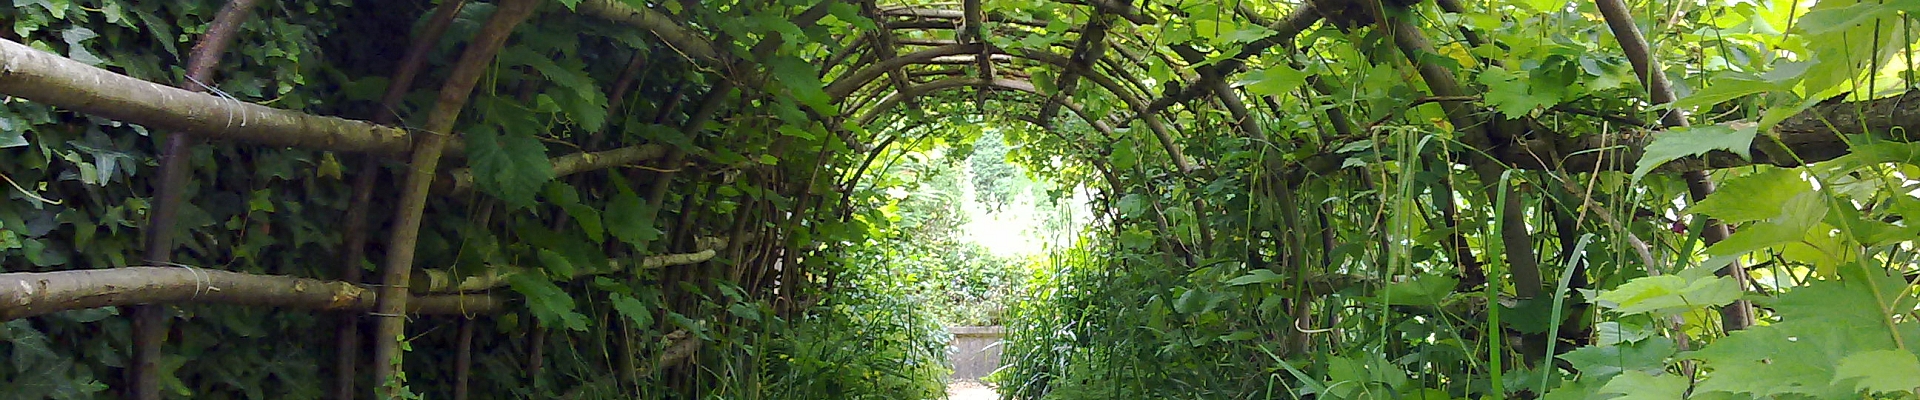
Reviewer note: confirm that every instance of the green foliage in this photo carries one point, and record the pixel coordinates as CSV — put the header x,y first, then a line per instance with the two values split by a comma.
x,y
1514,96
1827,329
994,178
550,304
1667,295
629,218
1694,141
802,81
961,282
864,343
512,165
1274,81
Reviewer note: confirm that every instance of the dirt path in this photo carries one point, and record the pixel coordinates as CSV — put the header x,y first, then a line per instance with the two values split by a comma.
x,y
970,390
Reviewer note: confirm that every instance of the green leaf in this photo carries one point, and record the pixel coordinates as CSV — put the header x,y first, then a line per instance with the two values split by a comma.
x,y
1545,6
1582,389
1822,325
630,219
798,131
12,131
513,167
1683,142
1880,371
1368,373
775,23
1274,81
1723,90
262,201
1133,205
1604,362
1640,385
1830,20
1794,219
851,14
1238,335
1757,196
1764,361
1421,290
552,306
1247,34
580,98
1864,153
802,80
744,311
1256,276
1512,95
633,309
1136,240
556,264
1193,301
1669,294
1533,315
586,217
1607,72
76,38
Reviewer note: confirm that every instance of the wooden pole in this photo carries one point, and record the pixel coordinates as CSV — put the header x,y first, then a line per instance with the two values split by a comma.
x,y
413,200
348,344
149,321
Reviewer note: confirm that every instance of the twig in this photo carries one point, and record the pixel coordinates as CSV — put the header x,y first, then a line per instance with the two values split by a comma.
x,y
16,186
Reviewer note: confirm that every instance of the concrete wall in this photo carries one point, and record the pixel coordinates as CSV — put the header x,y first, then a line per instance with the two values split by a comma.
x,y
974,351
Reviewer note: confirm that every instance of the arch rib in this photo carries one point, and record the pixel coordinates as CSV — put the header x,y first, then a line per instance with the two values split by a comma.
x,y
894,100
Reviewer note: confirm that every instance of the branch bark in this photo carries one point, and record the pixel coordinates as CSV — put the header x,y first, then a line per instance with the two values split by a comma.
x,y
28,294
61,82
883,46
149,322
1812,136
463,359
443,280
693,46
1090,46
680,346
1285,30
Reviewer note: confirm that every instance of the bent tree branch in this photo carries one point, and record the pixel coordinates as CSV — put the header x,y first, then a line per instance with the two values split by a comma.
x,y
407,215
1813,135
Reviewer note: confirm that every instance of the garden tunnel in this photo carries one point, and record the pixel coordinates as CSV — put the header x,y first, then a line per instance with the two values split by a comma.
x,y
612,199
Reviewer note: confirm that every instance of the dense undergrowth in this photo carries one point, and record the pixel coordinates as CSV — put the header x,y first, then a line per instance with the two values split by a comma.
x,y
1385,316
